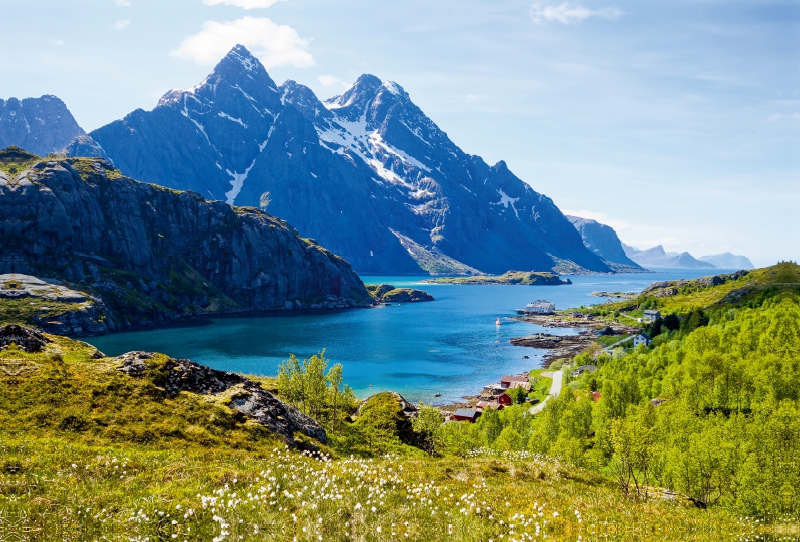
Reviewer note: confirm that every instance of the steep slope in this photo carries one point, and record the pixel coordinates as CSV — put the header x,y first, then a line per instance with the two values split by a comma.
x,y
38,125
728,261
657,257
153,253
366,173
602,240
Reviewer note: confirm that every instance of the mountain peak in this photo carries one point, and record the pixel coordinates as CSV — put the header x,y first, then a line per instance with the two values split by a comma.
x,y
243,56
362,91
239,66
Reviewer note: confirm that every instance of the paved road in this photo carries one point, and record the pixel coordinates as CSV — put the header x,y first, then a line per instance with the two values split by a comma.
x,y
555,390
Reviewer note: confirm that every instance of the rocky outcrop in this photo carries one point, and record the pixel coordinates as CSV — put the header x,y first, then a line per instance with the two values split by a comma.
x,y
154,254
235,391
26,339
366,173
38,125
53,307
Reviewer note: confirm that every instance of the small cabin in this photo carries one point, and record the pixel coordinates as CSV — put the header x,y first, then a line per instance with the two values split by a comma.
x,y
651,315
641,338
508,382
540,307
505,400
596,395
483,405
465,415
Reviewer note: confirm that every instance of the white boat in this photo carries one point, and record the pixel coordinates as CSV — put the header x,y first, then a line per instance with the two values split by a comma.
x,y
497,322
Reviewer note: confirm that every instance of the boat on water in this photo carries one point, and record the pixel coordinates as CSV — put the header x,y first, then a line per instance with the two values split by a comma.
x,y
497,322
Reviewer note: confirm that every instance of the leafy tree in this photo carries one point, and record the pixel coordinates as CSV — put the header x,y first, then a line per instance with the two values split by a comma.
x,y
518,395
426,424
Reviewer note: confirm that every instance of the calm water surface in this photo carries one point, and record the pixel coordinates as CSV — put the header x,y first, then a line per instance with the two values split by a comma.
x,y
450,346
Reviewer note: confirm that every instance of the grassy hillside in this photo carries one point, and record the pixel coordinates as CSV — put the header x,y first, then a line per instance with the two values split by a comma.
x,y
89,451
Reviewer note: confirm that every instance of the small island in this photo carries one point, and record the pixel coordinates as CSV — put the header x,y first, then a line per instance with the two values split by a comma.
x,y
386,293
522,278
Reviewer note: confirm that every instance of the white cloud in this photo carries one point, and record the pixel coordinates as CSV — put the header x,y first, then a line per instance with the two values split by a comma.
x,y
122,3
274,45
245,4
122,24
328,80
567,13
618,225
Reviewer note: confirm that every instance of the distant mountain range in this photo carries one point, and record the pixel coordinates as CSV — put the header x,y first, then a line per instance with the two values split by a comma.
x,y
657,257
367,174
728,261
603,241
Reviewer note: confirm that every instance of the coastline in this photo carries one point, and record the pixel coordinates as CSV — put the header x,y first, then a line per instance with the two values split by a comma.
x,y
556,347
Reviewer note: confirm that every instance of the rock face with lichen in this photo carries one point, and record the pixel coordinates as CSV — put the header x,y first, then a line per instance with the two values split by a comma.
x,y
155,254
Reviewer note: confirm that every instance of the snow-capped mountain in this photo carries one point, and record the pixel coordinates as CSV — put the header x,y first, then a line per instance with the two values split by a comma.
x,y
366,174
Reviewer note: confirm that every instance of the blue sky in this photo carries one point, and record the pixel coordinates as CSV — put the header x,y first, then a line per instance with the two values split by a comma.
x,y
677,122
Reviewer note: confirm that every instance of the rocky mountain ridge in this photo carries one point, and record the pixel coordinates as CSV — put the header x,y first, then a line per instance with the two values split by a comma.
x,y
153,254
366,173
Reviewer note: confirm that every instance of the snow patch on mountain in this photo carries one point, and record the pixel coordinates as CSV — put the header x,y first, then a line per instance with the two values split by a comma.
x,y
236,183
505,200
234,119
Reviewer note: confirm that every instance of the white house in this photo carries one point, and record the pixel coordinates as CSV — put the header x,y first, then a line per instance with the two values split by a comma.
x,y
652,315
540,307
641,338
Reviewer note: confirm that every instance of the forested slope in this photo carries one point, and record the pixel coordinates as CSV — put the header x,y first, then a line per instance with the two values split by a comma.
x,y
711,409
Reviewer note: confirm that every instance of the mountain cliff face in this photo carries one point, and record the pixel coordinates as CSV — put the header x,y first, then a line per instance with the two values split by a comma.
x,y
38,125
366,173
154,253
657,257
602,240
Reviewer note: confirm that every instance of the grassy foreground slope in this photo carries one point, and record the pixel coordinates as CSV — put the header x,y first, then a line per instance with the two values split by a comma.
x,y
91,452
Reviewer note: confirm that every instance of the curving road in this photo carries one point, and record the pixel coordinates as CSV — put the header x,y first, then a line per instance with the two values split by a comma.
x,y
555,390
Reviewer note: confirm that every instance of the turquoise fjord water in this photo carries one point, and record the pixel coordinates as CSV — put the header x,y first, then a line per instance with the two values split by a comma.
x,y
450,346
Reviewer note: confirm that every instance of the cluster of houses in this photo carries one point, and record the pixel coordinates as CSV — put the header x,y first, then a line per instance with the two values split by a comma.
x,y
494,396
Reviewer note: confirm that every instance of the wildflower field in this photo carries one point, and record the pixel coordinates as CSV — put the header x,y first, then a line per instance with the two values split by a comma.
x,y
66,491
